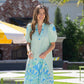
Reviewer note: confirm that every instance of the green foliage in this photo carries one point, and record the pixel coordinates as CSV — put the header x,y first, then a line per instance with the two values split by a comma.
x,y
82,24
69,46
74,67
58,17
74,39
58,22
71,29
63,83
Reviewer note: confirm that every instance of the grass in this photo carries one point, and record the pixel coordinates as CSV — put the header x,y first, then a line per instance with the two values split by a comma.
x,y
2,72
79,72
64,83
62,77
60,72
55,77
19,77
19,72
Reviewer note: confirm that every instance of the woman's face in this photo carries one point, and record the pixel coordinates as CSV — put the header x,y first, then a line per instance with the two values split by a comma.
x,y
41,15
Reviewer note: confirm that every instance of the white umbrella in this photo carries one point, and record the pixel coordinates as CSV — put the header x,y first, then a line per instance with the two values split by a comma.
x,y
10,33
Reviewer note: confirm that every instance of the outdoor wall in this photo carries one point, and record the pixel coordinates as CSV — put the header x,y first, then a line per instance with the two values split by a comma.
x,y
6,51
58,51
13,51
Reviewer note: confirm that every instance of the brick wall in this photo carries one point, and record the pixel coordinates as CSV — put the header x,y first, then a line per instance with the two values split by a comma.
x,y
7,50
58,50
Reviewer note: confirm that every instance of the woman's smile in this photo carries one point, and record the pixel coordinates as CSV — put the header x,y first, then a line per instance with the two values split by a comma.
x,y
41,15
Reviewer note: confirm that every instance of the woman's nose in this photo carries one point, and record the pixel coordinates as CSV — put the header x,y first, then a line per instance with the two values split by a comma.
x,y
41,14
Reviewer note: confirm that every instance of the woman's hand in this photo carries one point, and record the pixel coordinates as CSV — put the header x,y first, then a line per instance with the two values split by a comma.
x,y
43,55
30,55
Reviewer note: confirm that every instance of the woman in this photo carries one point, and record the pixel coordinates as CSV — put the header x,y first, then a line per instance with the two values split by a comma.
x,y
41,37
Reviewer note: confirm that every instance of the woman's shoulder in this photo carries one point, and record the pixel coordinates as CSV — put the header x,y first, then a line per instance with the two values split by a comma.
x,y
51,27
51,24
29,24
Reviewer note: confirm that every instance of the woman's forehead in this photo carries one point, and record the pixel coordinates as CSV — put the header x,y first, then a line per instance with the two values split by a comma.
x,y
41,10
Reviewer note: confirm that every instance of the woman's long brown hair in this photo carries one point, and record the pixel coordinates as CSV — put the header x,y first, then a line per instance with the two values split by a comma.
x,y
35,14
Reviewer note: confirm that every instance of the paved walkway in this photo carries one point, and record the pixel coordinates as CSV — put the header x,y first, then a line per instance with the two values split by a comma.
x,y
72,73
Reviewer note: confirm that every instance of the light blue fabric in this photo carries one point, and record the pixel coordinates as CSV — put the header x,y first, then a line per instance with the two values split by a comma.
x,y
40,71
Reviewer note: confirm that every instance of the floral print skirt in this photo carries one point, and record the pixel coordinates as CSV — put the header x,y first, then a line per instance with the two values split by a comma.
x,y
37,72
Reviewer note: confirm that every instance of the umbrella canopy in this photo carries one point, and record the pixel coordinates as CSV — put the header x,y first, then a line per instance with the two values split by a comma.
x,y
10,33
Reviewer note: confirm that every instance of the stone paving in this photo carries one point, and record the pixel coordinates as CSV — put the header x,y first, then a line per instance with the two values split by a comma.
x,y
70,73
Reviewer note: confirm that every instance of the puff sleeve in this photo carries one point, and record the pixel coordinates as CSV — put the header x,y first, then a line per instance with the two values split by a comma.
x,y
52,33
28,30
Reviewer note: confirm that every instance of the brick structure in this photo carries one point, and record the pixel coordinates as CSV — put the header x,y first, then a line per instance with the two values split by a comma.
x,y
58,49
57,52
12,51
6,51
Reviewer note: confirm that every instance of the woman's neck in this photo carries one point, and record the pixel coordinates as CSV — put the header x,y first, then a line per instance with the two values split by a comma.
x,y
40,24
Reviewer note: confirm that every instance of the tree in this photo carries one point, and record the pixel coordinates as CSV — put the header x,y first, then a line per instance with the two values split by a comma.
x,y
69,44
74,40
58,19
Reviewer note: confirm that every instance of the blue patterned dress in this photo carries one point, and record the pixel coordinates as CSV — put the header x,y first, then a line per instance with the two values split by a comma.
x,y
40,71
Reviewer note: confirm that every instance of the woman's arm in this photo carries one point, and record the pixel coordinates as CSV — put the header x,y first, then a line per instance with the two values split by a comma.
x,y
29,53
28,47
44,54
